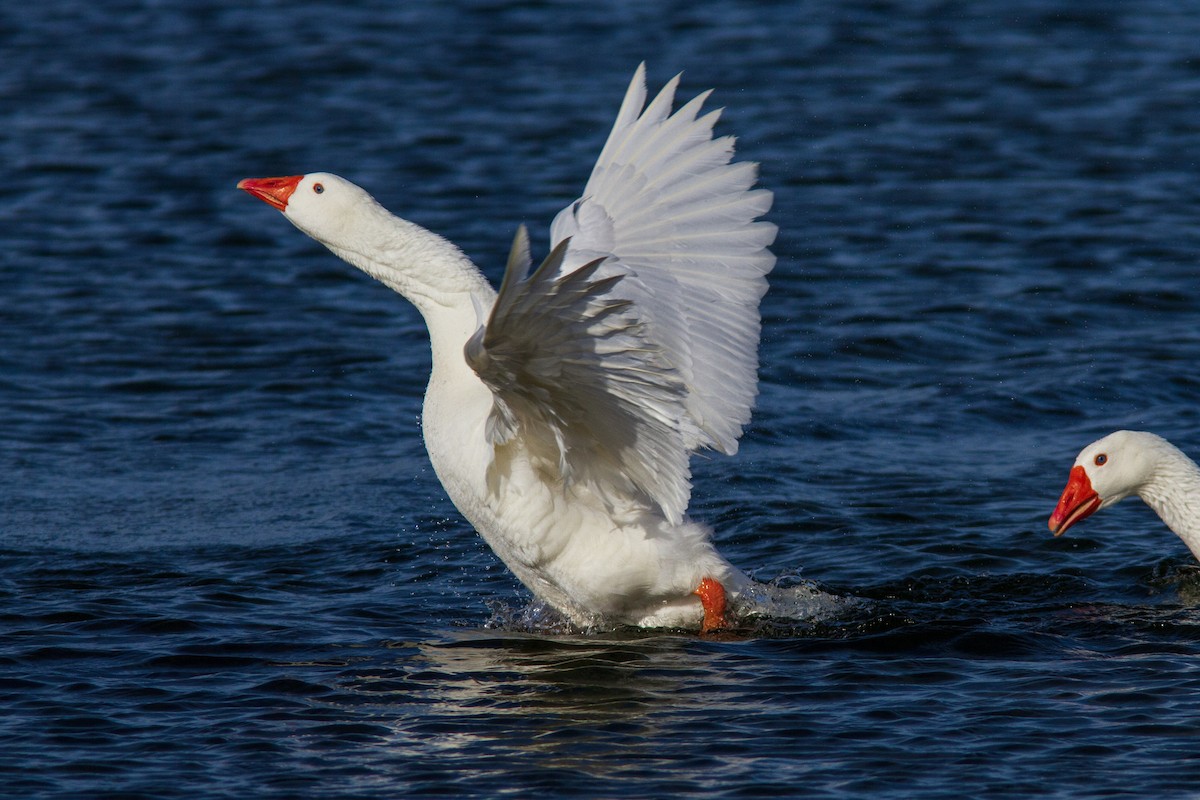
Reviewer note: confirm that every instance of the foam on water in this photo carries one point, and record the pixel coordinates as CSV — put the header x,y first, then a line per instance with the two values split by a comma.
x,y
785,602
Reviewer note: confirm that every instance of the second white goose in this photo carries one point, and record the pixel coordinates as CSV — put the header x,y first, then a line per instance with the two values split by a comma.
x,y
1133,463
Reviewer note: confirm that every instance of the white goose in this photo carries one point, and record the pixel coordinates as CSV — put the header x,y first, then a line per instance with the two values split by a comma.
x,y
562,411
1134,462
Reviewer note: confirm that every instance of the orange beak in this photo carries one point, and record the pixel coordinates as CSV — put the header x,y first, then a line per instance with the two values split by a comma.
x,y
273,191
1079,501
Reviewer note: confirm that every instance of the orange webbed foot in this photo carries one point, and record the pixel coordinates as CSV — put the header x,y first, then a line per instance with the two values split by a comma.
x,y
712,597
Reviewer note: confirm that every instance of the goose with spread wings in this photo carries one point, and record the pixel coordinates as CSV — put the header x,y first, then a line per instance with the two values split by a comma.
x,y
562,410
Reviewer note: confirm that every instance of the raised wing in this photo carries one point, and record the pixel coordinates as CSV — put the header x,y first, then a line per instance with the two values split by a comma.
x,y
573,374
636,341
665,203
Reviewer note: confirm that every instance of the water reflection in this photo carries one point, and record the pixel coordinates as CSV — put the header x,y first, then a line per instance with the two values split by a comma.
x,y
574,700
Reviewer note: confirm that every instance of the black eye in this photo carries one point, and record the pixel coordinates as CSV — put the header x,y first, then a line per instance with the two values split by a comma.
x,y
318,188
1101,460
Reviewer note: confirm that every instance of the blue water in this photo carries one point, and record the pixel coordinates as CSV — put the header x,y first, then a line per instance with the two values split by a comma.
x,y
227,570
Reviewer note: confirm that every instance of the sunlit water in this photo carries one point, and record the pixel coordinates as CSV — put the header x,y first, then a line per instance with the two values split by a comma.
x,y
227,570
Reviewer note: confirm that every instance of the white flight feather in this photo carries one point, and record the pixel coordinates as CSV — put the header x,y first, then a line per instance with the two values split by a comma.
x,y
673,223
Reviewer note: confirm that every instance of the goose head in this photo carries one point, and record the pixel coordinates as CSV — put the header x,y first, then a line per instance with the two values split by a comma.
x,y
323,205
1106,472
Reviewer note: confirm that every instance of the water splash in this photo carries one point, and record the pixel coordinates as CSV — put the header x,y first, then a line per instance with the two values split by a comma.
x,y
537,617
791,599
787,602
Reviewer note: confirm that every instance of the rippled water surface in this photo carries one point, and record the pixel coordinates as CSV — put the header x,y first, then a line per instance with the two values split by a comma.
x,y
227,570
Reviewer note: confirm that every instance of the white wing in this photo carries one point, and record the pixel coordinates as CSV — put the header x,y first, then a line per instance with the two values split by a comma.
x,y
664,201
573,375
636,340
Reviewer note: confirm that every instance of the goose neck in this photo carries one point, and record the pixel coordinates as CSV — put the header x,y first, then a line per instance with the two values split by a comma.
x,y
1174,493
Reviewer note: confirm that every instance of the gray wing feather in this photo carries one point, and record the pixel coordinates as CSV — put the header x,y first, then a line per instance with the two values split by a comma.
x,y
572,373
